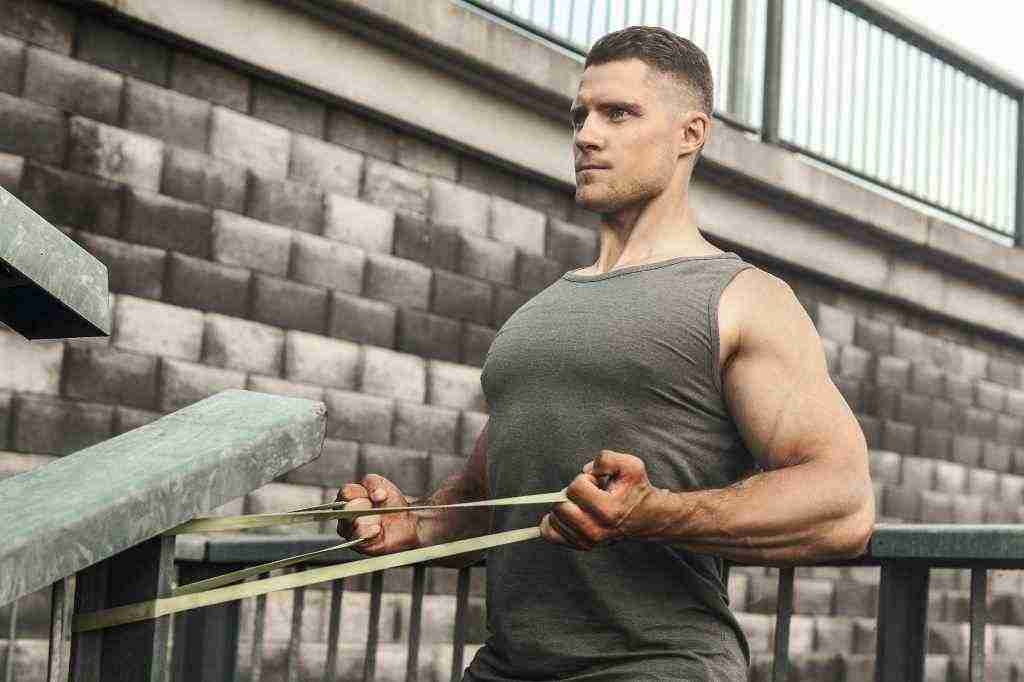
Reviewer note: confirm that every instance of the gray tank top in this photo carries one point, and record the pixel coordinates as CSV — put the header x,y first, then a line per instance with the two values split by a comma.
x,y
625,360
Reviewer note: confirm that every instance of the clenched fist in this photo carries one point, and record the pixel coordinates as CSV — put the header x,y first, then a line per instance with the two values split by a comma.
x,y
390,533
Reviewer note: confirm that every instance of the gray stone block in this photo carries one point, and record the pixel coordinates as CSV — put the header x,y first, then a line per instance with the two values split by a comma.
x,y
428,335
482,176
855,363
131,268
275,386
465,209
432,245
856,599
544,198
354,222
917,473
359,417
440,467
936,507
11,169
392,374
1011,488
506,302
942,413
361,320
203,285
1009,430
522,227
288,108
337,465
314,359
397,188
934,443
926,379
461,298
884,466
404,467
41,23
909,344
966,449
355,131
30,367
950,477
915,409
990,396
134,54
156,328
249,142
453,385
167,115
287,203
833,323
571,245
975,421
209,80
982,482
71,85
892,371
537,272
116,154
107,375
238,240
32,130
128,419
324,262
470,428
277,497
874,336
183,383
156,220
50,426
202,179
426,157
425,427
833,635
488,260
996,456
290,305
242,344
476,343
397,281
1015,402
333,168
899,437
901,503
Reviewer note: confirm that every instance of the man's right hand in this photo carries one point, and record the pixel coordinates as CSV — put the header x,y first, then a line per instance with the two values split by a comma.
x,y
394,532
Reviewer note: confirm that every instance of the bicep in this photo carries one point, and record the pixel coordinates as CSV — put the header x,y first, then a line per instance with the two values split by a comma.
x,y
778,389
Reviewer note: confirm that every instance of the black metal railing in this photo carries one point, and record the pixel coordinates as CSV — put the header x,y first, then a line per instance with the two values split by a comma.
x,y
905,554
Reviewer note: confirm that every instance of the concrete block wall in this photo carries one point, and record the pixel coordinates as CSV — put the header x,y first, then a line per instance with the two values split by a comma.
x,y
263,237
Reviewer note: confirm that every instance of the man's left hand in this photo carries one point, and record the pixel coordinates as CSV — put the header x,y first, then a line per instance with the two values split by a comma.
x,y
598,515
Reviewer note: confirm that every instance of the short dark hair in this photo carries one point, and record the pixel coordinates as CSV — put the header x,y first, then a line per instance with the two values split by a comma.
x,y
664,51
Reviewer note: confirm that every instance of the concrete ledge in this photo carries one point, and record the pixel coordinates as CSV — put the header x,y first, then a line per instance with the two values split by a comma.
x,y
491,87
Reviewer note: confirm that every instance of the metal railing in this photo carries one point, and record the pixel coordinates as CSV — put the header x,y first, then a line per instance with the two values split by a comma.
x,y
904,552
845,82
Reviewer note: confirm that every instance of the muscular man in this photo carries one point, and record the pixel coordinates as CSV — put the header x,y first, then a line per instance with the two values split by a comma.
x,y
679,392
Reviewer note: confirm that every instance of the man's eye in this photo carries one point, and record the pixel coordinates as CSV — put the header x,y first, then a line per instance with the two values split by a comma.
x,y
621,111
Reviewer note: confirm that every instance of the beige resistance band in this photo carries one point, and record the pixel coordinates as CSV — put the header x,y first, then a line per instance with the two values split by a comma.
x,y
219,589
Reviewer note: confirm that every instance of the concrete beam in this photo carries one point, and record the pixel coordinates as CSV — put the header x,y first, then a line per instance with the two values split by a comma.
x,y
86,507
50,287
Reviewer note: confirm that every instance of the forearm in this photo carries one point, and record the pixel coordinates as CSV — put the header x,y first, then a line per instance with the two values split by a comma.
x,y
798,514
448,525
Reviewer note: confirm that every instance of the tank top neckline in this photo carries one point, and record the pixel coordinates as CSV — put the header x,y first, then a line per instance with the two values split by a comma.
x,y
574,276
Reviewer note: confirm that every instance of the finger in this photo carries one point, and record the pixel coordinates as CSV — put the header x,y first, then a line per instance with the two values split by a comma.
x,y
548,532
351,491
565,520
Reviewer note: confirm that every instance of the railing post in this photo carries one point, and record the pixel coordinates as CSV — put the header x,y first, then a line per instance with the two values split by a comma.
x,y
62,604
772,73
135,652
902,621
739,63
206,639
1018,233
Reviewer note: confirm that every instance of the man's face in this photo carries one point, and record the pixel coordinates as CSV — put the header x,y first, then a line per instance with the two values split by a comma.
x,y
624,118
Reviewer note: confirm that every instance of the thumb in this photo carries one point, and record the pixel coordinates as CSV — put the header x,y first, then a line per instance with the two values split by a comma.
x,y
382,491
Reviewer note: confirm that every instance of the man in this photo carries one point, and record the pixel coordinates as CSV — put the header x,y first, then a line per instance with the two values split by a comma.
x,y
681,394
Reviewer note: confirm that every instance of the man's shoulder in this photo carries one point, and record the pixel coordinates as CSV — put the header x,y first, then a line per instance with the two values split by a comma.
x,y
755,302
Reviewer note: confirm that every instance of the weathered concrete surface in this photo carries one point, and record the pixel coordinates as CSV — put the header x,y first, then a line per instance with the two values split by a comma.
x,y
99,501
50,287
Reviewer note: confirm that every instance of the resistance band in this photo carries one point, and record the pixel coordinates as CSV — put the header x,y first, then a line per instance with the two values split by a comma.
x,y
220,589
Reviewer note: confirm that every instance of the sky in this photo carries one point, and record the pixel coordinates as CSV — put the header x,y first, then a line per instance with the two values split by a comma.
x,y
988,28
